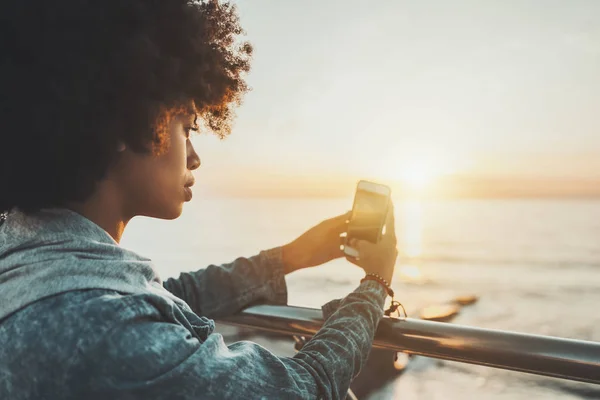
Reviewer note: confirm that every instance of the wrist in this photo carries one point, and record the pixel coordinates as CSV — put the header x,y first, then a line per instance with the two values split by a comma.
x,y
380,280
291,257
385,277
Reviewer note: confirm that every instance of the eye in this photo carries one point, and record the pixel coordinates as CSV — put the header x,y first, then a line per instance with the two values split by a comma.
x,y
188,130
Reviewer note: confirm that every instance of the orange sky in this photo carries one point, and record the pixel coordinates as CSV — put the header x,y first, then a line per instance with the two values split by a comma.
x,y
268,184
459,98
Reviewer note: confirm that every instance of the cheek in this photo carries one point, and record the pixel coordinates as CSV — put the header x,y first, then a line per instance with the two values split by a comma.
x,y
153,186
170,170
154,179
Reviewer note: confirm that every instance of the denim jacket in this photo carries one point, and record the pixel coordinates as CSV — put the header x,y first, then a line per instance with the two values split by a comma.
x,y
84,318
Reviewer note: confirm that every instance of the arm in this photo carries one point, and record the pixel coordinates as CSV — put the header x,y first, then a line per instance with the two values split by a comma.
x,y
222,290
219,291
144,358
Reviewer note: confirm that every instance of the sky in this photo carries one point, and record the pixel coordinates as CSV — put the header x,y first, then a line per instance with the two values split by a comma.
x,y
412,91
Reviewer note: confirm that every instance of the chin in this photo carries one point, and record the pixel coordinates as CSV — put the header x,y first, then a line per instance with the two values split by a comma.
x,y
175,213
172,212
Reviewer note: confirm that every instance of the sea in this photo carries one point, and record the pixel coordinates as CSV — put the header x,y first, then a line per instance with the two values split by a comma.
x,y
533,264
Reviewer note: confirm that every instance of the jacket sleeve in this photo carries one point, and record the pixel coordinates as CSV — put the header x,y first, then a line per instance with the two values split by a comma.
x,y
146,358
222,290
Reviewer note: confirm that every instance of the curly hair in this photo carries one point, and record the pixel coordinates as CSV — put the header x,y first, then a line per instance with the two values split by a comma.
x,y
79,76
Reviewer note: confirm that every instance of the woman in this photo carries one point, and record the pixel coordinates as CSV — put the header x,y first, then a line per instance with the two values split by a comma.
x,y
98,102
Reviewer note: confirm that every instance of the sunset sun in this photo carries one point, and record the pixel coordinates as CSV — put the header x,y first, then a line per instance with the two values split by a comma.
x,y
417,176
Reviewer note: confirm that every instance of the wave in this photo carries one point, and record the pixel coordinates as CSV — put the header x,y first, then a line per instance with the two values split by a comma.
x,y
580,389
447,259
583,390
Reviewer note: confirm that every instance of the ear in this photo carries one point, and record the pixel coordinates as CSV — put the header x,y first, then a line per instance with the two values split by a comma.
x,y
121,147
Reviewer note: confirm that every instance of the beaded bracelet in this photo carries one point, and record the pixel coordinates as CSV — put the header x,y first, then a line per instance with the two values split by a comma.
x,y
395,304
381,280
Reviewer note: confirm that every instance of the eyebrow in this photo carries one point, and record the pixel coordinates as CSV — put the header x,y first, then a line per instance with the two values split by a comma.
x,y
193,116
192,126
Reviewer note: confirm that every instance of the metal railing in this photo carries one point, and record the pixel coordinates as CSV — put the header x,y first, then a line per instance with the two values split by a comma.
x,y
575,360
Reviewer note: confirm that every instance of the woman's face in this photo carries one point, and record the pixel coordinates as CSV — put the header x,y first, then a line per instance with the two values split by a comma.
x,y
157,186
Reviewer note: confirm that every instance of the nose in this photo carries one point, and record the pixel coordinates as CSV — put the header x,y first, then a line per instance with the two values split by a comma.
x,y
193,160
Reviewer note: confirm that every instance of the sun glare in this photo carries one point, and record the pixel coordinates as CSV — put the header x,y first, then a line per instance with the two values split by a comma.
x,y
417,176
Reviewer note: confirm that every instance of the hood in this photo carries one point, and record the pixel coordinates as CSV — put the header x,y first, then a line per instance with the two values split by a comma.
x,y
57,250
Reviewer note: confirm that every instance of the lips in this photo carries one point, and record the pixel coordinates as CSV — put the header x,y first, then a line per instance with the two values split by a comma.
x,y
190,183
188,193
187,189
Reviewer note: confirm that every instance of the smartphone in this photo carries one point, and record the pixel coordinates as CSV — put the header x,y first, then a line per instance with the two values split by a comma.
x,y
369,212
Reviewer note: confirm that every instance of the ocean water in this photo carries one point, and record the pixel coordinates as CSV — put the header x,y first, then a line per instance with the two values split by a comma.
x,y
534,264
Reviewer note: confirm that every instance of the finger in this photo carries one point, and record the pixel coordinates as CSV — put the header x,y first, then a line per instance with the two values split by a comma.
x,y
339,224
343,238
347,215
359,245
351,249
339,252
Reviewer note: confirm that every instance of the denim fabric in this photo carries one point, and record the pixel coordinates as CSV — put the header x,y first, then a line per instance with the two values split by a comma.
x,y
111,330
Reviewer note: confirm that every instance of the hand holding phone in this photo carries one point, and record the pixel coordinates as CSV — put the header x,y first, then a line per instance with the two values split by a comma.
x,y
366,245
368,216
377,258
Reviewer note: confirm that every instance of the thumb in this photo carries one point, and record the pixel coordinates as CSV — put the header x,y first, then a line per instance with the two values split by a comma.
x,y
359,244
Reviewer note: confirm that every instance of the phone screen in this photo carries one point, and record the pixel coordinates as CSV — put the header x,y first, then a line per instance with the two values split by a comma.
x,y
368,215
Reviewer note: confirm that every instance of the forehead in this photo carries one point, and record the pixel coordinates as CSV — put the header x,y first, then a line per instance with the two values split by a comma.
x,y
184,114
184,111
187,118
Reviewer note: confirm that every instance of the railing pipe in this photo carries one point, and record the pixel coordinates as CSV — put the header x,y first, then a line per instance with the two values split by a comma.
x,y
570,359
